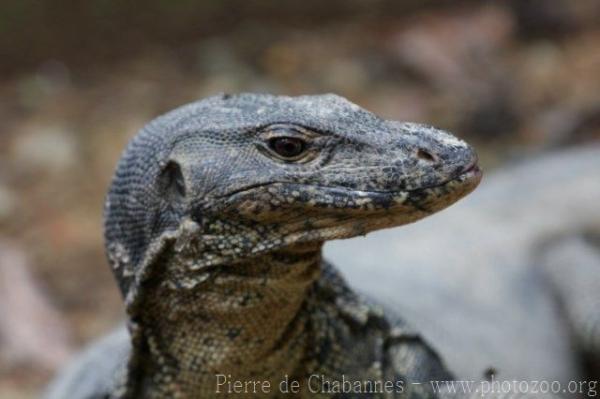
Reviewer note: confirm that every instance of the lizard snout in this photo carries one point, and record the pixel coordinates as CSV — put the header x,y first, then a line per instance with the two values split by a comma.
x,y
427,156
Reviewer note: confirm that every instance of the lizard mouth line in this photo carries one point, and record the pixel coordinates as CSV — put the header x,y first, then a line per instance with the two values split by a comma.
x,y
471,172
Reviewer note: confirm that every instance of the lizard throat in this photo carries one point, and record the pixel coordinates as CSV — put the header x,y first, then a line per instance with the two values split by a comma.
x,y
245,319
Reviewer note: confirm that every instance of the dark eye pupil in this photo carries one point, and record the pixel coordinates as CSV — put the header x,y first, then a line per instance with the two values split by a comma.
x,y
288,147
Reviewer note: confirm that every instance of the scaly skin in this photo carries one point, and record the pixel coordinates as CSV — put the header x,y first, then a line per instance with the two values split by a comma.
x,y
482,281
215,240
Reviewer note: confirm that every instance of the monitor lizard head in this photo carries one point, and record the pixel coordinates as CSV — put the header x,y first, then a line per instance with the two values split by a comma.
x,y
231,177
218,210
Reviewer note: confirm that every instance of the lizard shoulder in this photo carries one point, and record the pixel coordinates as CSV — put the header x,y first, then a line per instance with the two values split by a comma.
x,y
395,348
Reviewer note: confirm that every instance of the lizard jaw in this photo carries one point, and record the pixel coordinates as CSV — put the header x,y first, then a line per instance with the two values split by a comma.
x,y
272,198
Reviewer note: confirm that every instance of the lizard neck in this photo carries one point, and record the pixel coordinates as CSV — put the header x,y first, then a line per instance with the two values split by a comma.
x,y
245,321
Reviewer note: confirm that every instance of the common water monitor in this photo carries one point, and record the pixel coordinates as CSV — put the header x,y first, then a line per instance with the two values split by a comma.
x,y
214,225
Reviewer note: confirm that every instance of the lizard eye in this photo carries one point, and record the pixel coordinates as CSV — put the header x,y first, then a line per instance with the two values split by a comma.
x,y
287,147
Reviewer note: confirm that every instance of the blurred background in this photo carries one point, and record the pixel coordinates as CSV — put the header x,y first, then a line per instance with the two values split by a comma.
x,y
79,78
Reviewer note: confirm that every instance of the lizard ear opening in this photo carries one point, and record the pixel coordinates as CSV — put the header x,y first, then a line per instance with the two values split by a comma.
x,y
172,182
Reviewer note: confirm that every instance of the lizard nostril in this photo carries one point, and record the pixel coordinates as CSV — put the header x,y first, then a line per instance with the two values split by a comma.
x,y
426,155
